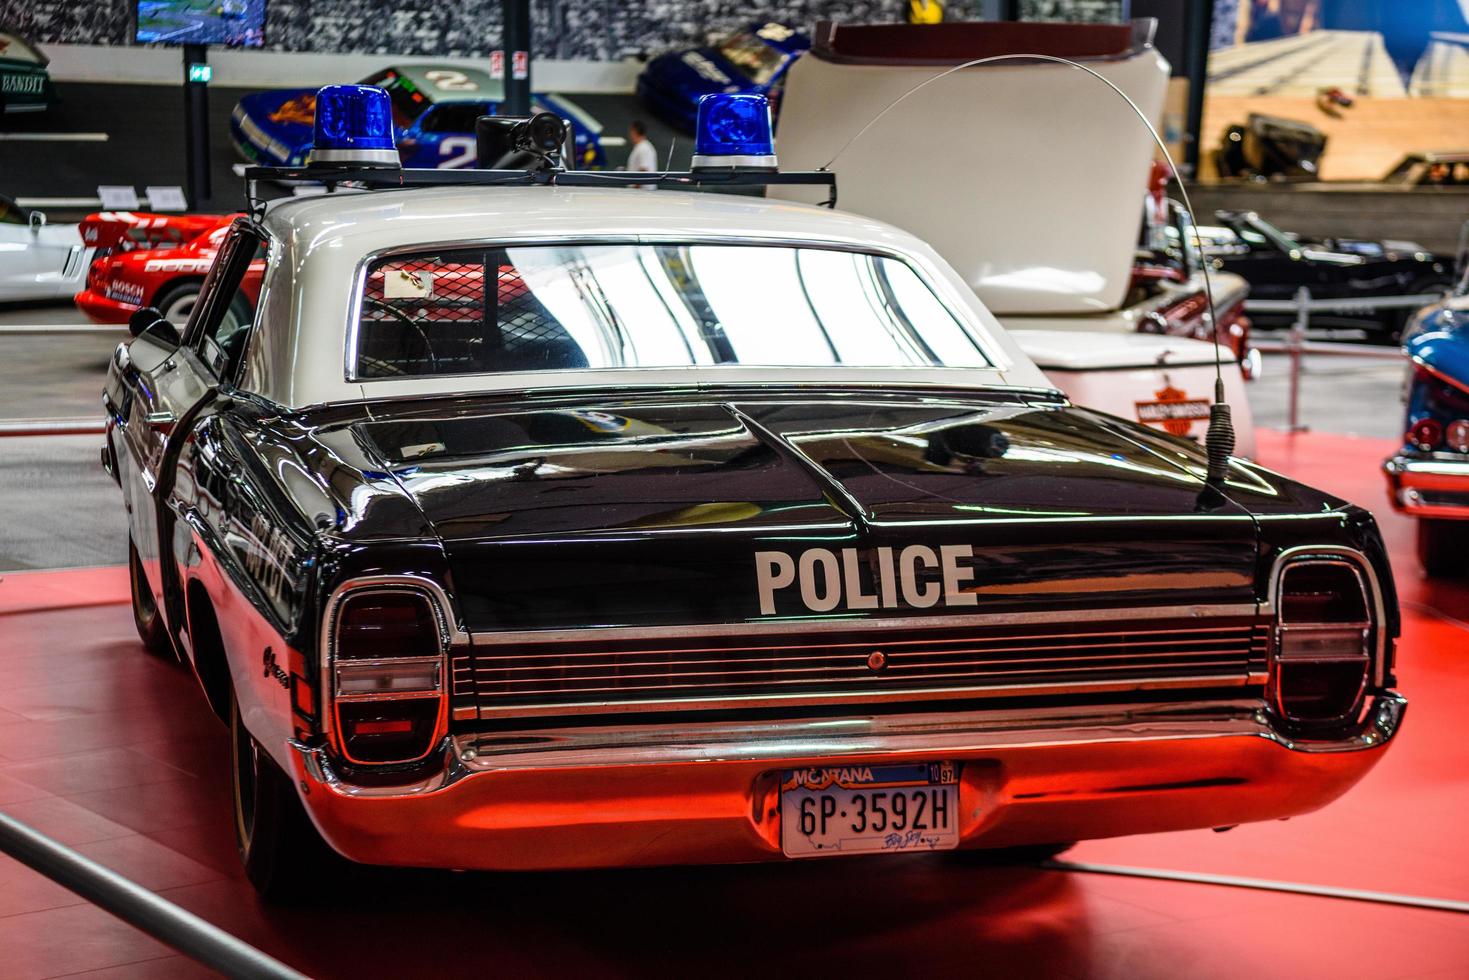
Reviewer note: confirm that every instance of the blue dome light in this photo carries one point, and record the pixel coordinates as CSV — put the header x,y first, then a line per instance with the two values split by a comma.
x,y
734,130
353,127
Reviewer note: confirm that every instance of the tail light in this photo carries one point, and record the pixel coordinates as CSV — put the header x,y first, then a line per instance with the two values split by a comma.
x,y
98,270
385,665
1456,436
1426,434
1324,638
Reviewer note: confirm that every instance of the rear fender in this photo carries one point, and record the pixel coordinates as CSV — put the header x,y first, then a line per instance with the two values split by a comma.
x,y
1440,345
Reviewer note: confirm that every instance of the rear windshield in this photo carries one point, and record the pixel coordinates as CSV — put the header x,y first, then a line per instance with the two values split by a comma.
x,y
557,308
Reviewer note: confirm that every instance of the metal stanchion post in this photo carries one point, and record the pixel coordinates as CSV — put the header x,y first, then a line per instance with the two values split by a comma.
x,y
135,905
196,124
516,44
1295,342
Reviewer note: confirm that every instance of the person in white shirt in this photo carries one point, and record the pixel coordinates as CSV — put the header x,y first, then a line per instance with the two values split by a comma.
x,y
643,158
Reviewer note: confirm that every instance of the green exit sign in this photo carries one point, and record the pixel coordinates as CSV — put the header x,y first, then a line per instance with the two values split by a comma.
x,y
200,73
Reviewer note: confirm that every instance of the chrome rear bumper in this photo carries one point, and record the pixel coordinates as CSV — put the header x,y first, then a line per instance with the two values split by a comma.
x,y
707,792
1428,487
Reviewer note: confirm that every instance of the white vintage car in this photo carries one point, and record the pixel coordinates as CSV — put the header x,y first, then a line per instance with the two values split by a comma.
x,y
41,261
1028,177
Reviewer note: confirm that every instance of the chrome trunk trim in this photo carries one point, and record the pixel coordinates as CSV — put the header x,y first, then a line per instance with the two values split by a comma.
x,y
856,698
803,663
837,623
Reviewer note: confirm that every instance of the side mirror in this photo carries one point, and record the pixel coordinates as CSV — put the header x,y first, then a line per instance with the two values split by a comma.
x,y
38,220
150,321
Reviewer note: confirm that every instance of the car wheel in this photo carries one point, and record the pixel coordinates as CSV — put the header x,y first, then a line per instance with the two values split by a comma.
x,y
1443,547
145,610
178,302
283,855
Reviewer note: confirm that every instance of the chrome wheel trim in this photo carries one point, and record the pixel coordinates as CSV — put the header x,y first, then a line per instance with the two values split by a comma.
x,y
244,779
179,310
142,598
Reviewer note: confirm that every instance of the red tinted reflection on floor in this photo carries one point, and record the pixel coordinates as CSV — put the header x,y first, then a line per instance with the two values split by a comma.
x,y
115,753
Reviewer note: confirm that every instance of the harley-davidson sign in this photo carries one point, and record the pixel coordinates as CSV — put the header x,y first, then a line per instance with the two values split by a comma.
x,y
1174,410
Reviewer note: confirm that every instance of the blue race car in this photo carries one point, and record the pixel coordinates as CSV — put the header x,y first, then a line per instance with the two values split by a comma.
x,y
434,109
1428,478
753,60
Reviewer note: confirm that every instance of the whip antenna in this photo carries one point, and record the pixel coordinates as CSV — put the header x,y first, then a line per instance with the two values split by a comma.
x,y
1219,439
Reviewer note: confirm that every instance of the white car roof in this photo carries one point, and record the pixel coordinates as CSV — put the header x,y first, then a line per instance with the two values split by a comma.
x,y
321,245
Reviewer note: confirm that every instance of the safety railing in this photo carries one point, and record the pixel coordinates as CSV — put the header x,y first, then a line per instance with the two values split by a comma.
x,y
119,330
52,427
1295,344
195,938
57,426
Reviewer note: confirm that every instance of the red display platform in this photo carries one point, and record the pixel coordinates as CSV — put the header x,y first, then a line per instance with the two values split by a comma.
x,y
114,753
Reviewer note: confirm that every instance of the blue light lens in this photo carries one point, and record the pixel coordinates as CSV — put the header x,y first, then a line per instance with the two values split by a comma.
x,y
734,125
353,117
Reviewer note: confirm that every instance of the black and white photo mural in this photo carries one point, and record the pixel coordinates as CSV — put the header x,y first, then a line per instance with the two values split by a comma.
x,y
596,30
1075,11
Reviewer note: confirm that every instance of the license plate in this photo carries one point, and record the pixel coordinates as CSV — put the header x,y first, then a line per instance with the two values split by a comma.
x,y
866,809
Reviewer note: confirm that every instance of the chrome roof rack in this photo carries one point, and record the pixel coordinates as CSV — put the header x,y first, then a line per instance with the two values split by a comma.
x,y
394,178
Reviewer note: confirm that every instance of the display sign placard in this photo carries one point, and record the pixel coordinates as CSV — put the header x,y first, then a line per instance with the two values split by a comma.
x,y
118,197
168,198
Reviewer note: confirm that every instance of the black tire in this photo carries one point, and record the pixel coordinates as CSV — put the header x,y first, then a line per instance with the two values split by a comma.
x,y
1001,856
145,611
284,856
1443,547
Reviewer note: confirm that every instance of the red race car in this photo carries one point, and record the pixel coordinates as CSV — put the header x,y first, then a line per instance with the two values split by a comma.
x,y
152,260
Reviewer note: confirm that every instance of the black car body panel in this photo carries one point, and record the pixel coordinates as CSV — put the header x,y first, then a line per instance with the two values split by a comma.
x,y
621,511
1277,266
659,503
615,512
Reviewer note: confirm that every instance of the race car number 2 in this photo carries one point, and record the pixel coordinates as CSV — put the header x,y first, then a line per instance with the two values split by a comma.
x,y
456,151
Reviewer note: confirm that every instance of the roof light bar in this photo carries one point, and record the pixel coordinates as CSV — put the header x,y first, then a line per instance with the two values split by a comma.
x,y
353,127
734,130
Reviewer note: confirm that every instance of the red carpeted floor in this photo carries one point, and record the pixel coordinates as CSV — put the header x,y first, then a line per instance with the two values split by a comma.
x,y
114,753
